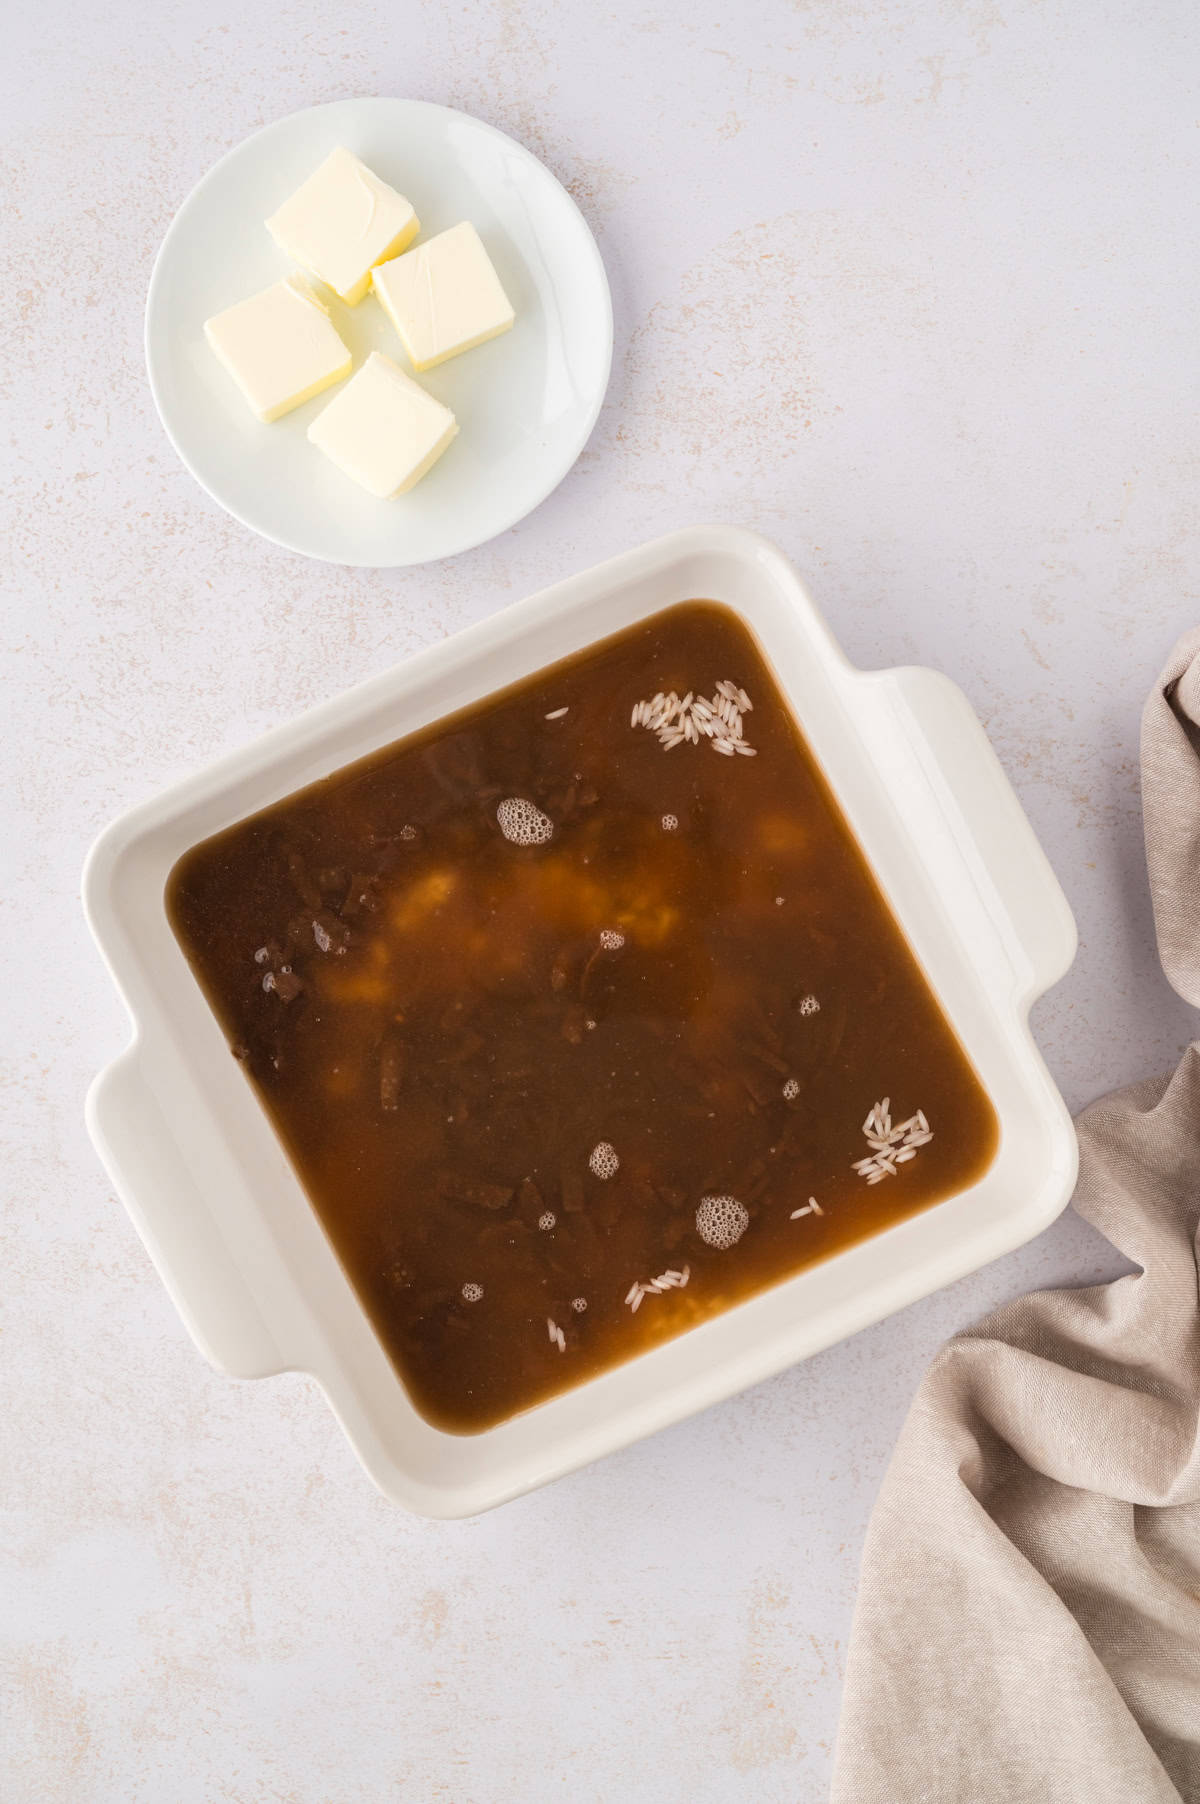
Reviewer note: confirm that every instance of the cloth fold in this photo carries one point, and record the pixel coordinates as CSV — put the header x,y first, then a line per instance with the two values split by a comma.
x,y
1028,1623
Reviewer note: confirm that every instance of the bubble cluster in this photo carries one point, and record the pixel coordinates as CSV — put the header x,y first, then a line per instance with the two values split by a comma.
x,y
791,1089
547,1221
809,1006
522,822
603,1161
670,823
471,1293
612,939
408,832
579,1304
721,1221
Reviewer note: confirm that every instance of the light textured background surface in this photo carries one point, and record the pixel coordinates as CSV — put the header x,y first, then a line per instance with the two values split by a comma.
x,y
912,290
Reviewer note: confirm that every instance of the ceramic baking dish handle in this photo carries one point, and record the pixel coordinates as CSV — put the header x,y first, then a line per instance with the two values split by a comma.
x,y
1011,870
153,1181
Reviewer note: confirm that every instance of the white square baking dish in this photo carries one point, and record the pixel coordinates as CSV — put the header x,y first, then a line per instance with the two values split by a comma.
x,y
237,1243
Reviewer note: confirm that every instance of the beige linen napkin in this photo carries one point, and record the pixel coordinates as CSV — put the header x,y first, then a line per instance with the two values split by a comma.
x,y
1028,1623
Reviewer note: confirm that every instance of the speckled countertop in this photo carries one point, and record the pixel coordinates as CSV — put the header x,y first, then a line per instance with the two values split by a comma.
x,y
910,289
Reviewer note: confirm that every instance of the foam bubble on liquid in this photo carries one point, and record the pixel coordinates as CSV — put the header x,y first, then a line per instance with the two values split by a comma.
x,y
612,939
523,823
809,1006
721,1221
791,1089
579,1304
547,1221
471,1293
603,1161
670,823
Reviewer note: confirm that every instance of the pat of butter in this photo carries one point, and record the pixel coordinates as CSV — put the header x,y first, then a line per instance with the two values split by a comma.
x,y
280,347
444,297
384,430
343,221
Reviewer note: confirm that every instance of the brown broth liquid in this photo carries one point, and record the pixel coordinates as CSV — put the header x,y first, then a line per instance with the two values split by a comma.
x,y
442,1039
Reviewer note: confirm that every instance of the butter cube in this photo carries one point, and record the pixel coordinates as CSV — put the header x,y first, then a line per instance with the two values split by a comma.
x,y
280,347
384,430
341,222
444,297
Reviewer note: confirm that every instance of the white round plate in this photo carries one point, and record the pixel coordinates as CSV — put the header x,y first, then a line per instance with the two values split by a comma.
x,y
525,402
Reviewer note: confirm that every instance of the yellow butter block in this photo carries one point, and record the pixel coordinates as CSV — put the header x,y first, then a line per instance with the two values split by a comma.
x,y
341,222
280,347
383,429
444,297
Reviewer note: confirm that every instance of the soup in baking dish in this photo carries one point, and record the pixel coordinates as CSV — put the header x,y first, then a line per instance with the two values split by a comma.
x,y
580,1016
